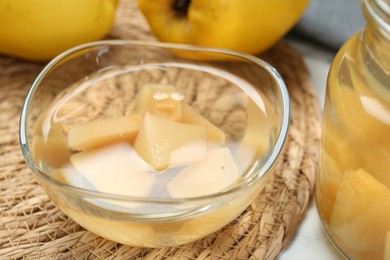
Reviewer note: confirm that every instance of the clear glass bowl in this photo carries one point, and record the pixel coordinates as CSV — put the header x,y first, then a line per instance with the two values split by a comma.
x,y
243,95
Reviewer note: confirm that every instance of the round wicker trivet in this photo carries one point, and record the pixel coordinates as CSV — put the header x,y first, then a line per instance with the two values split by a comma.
x,y
32,227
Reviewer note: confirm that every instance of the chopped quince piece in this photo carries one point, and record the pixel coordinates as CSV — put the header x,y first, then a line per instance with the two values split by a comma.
x,y
67,175
104,131
387,247
159,137
115,169
361,213
259,129
329,178
257,138
361,111
214,173
339,144
53,141
161,100
191,152
191,116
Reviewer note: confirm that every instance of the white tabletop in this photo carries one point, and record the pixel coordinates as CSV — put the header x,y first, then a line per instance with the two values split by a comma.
x,y
310,241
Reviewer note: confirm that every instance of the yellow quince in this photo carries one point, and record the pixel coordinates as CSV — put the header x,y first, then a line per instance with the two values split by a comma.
x,y
249,26
41,29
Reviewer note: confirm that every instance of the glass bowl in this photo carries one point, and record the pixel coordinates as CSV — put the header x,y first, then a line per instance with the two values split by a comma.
x,y
75,134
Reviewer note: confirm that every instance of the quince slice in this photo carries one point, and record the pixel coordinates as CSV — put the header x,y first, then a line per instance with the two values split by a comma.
x,y
67,175
104,131
50,148
160,99
386,255
361,111
159,137
115,169
214,173
257,139
191,116
329,177
191,152
361,214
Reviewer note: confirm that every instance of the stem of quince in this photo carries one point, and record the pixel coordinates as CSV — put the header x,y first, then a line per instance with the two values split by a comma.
x,y
181,7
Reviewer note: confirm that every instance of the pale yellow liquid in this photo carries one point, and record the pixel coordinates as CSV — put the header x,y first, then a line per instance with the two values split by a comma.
x,y
139,223
353,196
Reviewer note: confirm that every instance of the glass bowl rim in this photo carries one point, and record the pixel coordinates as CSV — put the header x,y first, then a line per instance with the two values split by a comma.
x,y
265,167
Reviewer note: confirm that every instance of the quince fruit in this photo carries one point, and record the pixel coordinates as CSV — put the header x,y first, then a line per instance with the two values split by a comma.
x,y
249,26
41,29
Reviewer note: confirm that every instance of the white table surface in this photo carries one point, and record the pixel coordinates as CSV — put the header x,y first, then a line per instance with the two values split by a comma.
x,y
310,241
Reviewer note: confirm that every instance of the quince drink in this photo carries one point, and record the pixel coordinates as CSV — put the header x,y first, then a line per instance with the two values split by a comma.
x,y
134,138
353,186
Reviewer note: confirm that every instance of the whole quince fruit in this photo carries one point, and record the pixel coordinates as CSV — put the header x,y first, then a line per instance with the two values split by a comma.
x,y
249,26
41,29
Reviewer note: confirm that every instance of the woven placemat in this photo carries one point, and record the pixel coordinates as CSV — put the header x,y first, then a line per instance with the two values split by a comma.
x,y
32,227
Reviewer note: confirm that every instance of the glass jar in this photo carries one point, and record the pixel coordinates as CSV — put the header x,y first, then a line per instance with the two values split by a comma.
x,y
353,184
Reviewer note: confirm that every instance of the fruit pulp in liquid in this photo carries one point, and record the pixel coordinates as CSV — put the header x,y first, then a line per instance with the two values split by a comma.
x,y
248,123
353,184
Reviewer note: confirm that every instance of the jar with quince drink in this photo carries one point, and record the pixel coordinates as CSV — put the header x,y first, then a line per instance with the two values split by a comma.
x,y
353,184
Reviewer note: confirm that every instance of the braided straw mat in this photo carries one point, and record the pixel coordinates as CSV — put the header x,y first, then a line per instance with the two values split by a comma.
x,y
31,227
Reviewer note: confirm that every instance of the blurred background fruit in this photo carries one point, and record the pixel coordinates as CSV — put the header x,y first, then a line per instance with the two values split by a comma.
x,y
249,26
41,29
